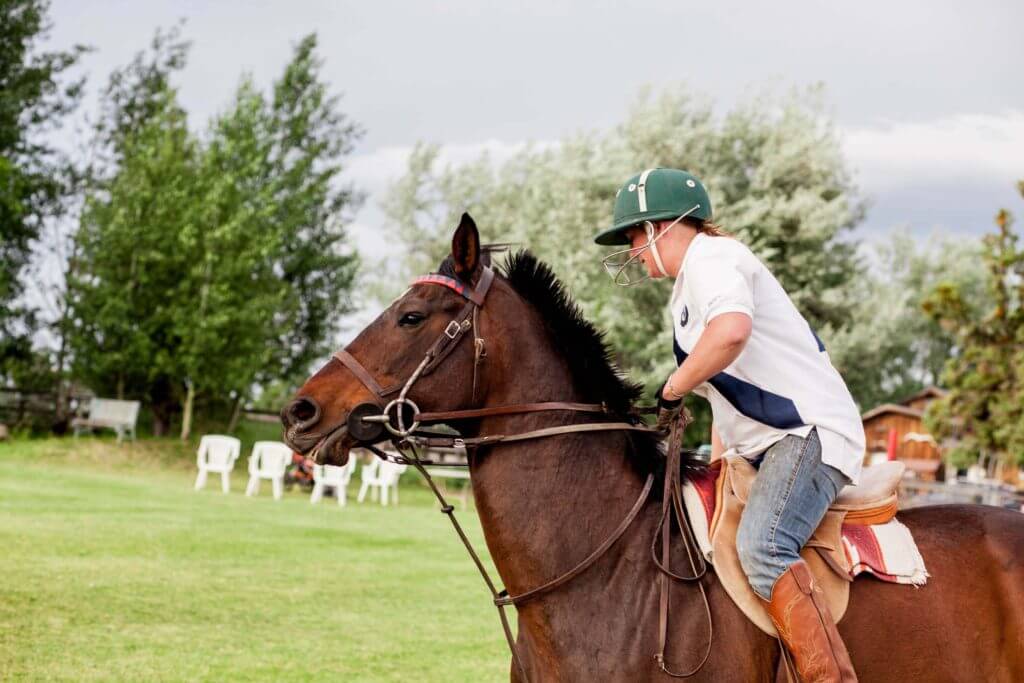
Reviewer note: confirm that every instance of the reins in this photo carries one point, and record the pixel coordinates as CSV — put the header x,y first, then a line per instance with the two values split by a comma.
x,y
368,421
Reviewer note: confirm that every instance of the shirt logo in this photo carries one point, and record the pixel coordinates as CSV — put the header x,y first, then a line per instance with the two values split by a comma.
x,y
685,317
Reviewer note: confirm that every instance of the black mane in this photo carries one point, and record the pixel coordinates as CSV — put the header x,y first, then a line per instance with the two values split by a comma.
x,y
574,337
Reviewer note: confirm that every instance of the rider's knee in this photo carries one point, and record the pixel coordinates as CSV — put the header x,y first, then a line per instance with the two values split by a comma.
x,y
756,557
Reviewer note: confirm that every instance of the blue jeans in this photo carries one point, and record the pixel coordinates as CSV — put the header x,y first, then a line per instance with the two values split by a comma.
x,y
790,495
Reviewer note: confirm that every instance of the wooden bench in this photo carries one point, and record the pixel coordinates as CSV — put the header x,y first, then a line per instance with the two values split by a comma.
x,y
109,413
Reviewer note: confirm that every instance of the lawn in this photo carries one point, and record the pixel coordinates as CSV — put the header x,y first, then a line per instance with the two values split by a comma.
x,y
113,568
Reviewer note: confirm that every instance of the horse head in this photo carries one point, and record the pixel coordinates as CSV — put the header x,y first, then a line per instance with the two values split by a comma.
x,y
373,370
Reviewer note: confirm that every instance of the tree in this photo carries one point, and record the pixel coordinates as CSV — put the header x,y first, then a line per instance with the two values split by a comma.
x,y
773,167
889,348
35,179
984,409
274,202
130,270
208,265
310,139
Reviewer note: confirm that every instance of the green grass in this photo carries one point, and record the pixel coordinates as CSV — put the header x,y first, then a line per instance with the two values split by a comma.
x,y
113,568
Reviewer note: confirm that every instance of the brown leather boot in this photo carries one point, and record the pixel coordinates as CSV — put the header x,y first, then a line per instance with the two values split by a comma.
x,y
807,630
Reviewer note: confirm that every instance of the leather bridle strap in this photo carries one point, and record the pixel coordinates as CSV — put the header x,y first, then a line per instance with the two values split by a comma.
x,y
349,361
672,501
447,342
512,410
472,442
440,349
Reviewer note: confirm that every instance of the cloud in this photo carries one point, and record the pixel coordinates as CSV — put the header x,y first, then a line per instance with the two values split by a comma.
x,y
376,169
976,148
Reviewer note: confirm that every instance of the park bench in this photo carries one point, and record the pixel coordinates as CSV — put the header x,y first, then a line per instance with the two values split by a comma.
x,y
109,413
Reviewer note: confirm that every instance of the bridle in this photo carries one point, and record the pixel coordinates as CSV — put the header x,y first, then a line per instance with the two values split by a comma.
x,y
367,423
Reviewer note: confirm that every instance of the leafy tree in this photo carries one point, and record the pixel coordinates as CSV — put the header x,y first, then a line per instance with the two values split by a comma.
x,y
275,204
35,179
230,247
773,167
129,273
228,288
984,409
310,139
890,348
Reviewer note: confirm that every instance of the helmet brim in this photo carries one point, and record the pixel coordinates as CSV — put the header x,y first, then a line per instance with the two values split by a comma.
x,y
613,236
616,235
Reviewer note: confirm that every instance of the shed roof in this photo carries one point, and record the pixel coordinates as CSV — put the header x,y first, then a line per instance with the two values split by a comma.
x,y
928,392
891,408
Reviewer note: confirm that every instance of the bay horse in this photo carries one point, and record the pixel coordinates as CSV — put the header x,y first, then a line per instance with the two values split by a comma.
x,y
544,504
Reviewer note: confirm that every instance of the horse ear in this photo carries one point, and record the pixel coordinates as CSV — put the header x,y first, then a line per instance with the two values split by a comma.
x,y
466,249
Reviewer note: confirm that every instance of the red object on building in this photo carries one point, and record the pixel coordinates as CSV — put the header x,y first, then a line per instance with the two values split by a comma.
x,y
893,443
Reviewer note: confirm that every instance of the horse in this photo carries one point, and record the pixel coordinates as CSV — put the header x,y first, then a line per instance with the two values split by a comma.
x,y
546,503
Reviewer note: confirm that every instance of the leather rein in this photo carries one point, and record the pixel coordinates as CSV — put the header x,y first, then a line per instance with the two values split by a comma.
x,y
367,423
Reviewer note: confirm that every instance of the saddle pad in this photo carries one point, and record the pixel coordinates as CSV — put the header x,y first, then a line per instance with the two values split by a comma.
x,y
886,551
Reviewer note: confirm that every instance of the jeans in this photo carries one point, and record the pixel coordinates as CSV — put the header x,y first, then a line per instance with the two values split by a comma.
x,y
790,495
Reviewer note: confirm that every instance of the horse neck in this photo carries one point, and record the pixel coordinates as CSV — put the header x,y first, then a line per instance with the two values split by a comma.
x,y
545,504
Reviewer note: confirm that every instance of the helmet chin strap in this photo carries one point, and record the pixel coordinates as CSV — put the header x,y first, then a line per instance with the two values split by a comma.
x,y
652,244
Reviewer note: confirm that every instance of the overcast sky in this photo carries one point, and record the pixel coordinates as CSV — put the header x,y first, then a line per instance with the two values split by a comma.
x,y
927,95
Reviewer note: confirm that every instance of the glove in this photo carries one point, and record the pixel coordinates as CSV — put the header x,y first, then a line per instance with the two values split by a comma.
x,y
668,411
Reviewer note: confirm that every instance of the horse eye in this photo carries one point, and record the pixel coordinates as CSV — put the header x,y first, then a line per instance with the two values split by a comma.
x,y
411,319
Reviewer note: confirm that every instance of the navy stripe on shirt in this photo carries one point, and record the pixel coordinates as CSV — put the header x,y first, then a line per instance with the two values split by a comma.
x,y
821,345
751,400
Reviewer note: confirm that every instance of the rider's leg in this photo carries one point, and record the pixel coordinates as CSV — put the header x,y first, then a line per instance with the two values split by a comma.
x,y
790,495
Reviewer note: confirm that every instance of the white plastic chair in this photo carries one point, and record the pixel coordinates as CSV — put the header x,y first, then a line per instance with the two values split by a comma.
x,y
332,475
217,454
269,460
380,476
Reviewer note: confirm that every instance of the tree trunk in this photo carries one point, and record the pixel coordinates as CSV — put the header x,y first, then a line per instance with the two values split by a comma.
x,y
236,414
186,415
161,422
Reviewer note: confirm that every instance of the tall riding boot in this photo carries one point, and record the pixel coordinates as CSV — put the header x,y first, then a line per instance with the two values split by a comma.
x,y
807,630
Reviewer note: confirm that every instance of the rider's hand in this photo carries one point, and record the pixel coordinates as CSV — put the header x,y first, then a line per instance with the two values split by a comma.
x,y
664,402
668,410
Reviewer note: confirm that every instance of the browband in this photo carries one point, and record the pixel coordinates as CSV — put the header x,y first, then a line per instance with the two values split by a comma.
x,y
476,295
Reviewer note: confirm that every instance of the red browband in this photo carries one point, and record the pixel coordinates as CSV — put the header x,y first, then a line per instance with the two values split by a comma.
x,y
444,280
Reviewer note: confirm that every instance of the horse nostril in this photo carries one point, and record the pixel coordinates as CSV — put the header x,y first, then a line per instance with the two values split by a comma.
x,y
303,411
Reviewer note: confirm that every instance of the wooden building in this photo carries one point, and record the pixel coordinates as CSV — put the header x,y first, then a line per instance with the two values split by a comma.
x,y
914,444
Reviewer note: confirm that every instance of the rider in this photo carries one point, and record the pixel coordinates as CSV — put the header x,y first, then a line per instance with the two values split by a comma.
x,y
775,397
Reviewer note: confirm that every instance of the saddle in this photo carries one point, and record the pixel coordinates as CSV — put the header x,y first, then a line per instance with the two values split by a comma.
x,y
872,502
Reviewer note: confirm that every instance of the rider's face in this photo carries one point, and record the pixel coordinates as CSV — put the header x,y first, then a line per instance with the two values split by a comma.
x,y
637,241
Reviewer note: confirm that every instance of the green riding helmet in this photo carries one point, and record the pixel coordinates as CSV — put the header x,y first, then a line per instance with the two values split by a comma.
x,y
657,194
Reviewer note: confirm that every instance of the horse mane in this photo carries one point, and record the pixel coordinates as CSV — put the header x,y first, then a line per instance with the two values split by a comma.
x,y
575,338
584,348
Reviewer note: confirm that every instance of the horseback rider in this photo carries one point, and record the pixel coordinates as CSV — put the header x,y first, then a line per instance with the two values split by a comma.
x,y
775,397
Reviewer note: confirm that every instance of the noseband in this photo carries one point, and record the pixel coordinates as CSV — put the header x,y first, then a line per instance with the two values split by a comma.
x,y
368,421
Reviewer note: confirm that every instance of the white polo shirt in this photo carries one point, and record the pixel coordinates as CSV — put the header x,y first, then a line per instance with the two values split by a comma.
x,y
783,381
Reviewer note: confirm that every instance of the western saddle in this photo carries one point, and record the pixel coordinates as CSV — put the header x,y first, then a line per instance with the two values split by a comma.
x,y
872,501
